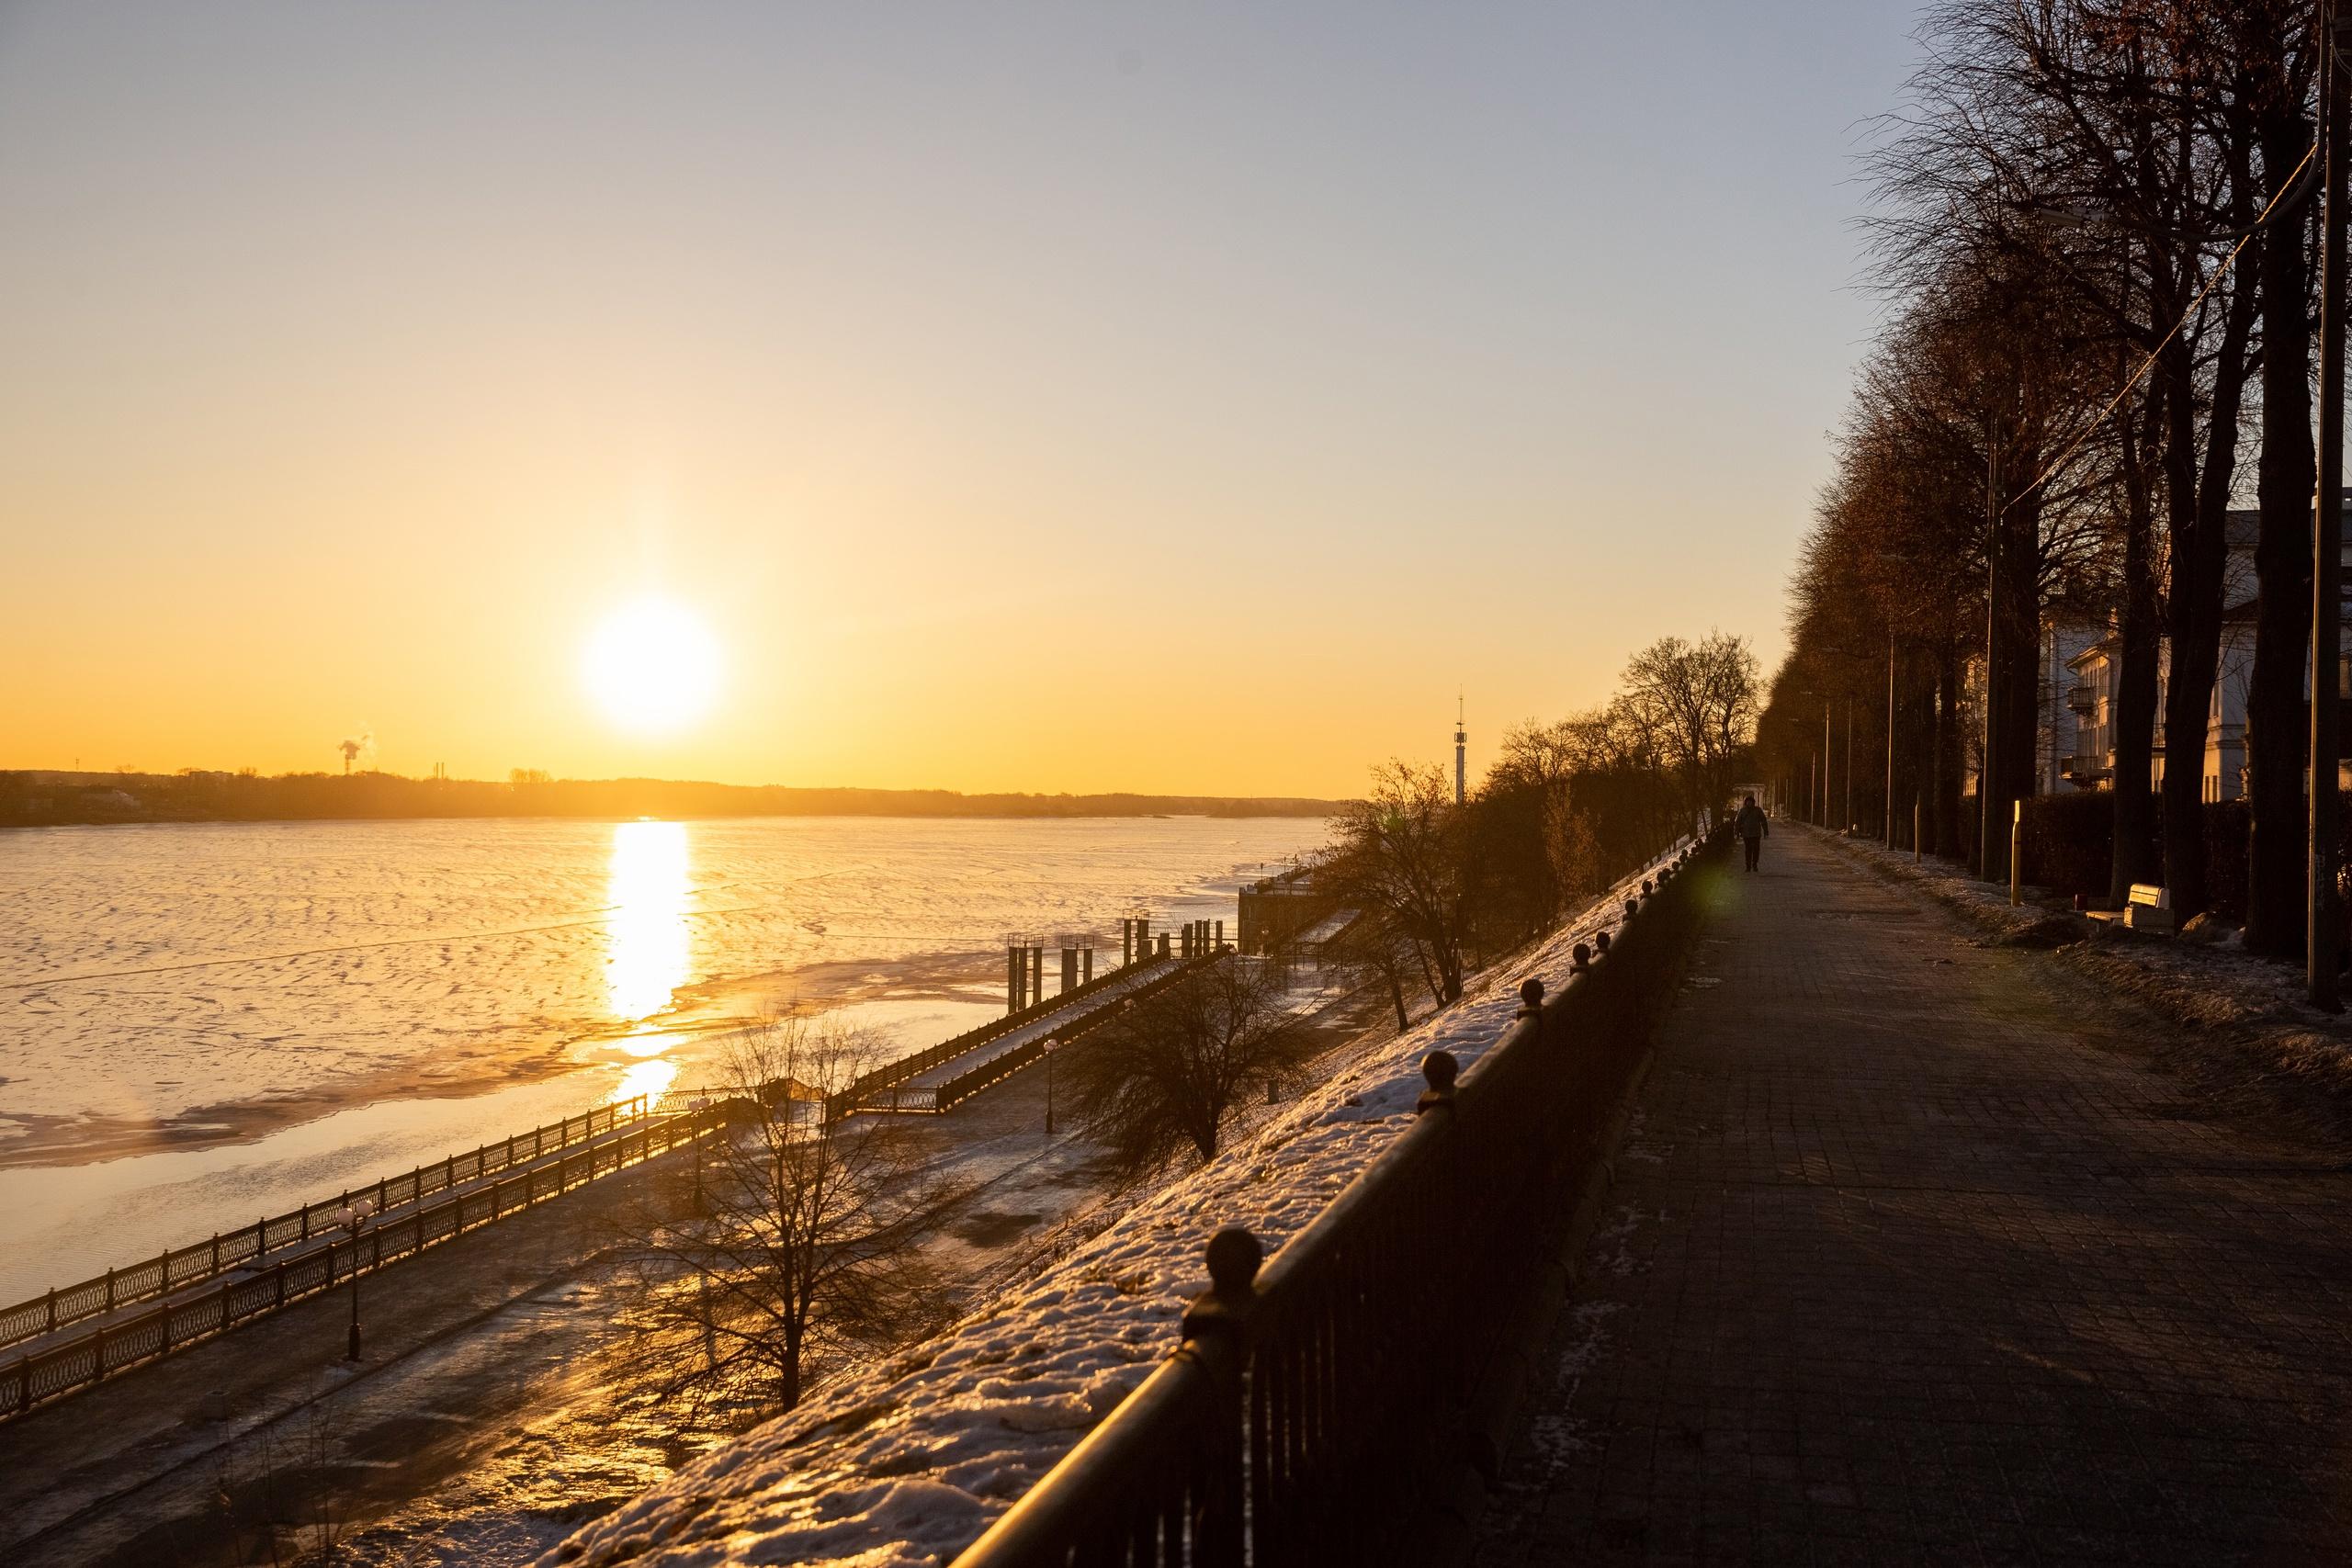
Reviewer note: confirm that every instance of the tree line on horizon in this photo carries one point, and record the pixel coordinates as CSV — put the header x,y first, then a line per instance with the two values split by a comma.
x,y
29,798
1567,807
2096,343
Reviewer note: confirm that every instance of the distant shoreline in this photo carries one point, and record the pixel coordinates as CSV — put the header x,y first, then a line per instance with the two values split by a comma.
x,y
50,798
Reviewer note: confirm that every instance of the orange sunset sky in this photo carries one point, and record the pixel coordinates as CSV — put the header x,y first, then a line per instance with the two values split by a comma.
x,y
1050,398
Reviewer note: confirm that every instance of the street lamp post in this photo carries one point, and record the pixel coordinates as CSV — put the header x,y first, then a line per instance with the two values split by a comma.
x,y
1984,773
1890,738
2323,916
1052,1046
354,1217
1848,826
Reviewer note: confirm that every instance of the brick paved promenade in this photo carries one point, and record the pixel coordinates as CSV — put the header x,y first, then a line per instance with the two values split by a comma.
x,y
1913,1256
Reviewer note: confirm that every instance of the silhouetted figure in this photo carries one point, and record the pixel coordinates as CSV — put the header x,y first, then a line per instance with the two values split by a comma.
x,y
1752,825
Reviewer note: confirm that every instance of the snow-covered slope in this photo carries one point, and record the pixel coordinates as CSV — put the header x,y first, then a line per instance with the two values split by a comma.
x,y
908,1462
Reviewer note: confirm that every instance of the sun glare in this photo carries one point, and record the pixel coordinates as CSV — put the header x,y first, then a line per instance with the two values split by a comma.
x,y
653,667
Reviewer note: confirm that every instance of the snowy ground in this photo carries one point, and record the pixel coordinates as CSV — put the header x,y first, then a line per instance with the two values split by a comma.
x,y
498,1409
908,1462
2250,1011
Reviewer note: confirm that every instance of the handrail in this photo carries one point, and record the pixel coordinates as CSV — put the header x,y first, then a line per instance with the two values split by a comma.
x,y
248,1246
1306,1398
940,1098
1004,1064
54,1371
904,1067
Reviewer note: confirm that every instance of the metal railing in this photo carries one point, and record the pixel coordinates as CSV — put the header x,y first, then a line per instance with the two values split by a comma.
x,y
1306,1402
939,1099
257,1287
863,1093
249,1244
1003,1065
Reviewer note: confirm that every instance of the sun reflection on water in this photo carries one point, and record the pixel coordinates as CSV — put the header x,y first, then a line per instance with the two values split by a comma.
x,y
650,1077
649,941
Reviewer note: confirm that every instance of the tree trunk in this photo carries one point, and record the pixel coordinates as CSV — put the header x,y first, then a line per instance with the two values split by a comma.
x,y
2199,505
2193,620
2016,750
1952,837
2282,556
2131,708
787,1376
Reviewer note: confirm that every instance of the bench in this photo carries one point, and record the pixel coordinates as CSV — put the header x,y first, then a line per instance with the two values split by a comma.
x,y
2150,909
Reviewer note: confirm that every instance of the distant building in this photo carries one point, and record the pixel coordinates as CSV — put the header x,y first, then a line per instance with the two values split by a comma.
x,y
2085,669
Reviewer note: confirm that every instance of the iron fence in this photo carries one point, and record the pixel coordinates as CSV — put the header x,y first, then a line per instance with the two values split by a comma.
x,y
1306,1402
1003,1065
864,1091
242,1248
51,1372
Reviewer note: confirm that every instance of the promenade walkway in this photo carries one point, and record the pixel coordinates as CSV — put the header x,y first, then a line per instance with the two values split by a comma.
x,y
1914,1255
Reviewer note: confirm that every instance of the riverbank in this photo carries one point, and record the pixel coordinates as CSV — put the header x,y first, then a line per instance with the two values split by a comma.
x,y
903,1464
497,1410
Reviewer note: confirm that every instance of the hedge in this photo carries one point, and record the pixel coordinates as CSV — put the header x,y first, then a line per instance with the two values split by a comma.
x,y
2065,841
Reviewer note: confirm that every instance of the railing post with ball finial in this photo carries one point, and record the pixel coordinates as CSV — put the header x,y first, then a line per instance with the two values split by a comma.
x,y
1216,1335
1439,1069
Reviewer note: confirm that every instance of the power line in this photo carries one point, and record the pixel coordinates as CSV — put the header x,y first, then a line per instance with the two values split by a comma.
x,y
2138,376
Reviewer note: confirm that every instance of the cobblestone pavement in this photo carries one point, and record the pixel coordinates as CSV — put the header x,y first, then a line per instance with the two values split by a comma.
x,y
1913,1257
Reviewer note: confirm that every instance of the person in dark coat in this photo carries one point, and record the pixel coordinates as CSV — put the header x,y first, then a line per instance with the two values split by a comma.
x,y
1752,825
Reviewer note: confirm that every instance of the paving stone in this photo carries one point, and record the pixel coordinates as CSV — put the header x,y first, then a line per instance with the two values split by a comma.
x,y
1914,1255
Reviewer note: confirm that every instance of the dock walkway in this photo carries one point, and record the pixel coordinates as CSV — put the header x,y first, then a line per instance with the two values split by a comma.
x,y
81,1350
1038,1029
1916,1254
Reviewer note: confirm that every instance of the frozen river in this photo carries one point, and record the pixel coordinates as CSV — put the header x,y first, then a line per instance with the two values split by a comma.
x,y
199,1024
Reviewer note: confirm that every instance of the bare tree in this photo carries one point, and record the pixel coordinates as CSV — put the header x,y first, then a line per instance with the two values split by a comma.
x,y
1398,852
1166,1076
1376,952
1573,847
1697,701
799,1239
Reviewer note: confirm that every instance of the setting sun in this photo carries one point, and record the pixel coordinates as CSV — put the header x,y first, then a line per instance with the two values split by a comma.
x,y
653,667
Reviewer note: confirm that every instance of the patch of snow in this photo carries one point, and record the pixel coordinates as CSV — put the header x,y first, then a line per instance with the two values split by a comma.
x,y
905,1462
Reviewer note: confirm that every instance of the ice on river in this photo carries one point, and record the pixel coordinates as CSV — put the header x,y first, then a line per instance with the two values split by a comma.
x,y
233,1016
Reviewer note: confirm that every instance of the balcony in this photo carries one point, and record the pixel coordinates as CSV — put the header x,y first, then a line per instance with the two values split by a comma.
x,y
2083,699
2086,768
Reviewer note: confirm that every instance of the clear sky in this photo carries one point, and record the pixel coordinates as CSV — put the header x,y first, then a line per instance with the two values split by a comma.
x,y
1099,396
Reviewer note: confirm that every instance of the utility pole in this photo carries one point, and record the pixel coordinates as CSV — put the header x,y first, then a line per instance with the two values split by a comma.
x,y
1988,827
1890,738
2327,531
1828,755
1848,824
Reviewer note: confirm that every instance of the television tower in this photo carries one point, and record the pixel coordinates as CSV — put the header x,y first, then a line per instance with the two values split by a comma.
x,y
1460,737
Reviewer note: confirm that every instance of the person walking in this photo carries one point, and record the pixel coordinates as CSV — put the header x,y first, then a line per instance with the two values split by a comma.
x,y
1752,825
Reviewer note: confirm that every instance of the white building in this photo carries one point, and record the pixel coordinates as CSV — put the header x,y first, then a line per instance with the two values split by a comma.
x,y
2079,671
